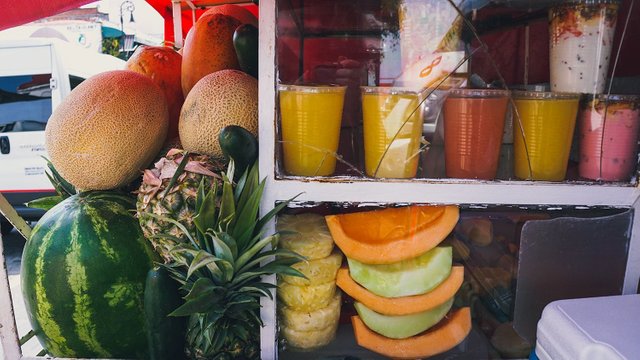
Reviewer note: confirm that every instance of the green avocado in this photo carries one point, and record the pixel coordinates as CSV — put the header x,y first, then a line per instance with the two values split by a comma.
x,y
239,144
245,41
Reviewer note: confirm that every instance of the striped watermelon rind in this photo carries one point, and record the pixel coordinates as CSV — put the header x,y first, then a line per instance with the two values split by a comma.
x,y
83,274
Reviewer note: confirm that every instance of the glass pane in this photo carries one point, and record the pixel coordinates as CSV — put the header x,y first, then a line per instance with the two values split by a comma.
x,y
514,259
486,90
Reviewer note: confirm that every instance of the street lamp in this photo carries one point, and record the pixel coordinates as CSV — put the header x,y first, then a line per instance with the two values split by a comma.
x,y
126,6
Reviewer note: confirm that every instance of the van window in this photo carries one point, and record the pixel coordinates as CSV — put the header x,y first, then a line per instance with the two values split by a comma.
x,y
75,81
25,102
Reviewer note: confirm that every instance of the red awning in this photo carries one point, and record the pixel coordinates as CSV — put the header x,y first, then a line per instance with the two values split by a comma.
x,y
164,8
19,12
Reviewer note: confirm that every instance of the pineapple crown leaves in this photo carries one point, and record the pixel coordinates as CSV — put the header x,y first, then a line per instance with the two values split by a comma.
x,y
220,267
62,187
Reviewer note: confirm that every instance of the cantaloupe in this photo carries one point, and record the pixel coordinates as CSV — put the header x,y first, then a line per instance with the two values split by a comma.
x,y
402,326
107,130
226,97
402,305
162,65
447,334
208,48
238,12
409,277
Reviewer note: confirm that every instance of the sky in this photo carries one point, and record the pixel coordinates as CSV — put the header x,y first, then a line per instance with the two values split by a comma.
x,y
147,20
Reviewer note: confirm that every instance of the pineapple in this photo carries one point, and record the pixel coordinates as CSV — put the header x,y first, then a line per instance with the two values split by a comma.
x,y
306,234
221,264
179,203
316,271
307,298
309,340
312,320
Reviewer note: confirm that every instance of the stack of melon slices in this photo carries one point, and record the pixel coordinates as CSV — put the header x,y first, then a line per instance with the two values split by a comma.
x,y
311,307
403,284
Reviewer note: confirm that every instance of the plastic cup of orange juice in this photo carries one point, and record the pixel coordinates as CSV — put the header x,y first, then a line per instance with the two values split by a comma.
x,y
542,132
392,121
310,118
609,127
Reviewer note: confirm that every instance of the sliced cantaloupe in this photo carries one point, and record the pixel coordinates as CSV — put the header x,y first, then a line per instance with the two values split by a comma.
x,y
402,305
409,277
449,333
402,326
391,235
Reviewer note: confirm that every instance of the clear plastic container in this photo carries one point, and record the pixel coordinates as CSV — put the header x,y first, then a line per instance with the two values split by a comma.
x,y
473,129
609,127
581,38
392,120
543,129
310,120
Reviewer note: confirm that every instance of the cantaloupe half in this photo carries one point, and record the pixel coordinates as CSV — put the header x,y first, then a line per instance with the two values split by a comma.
x,y
446,335
394,234
402,305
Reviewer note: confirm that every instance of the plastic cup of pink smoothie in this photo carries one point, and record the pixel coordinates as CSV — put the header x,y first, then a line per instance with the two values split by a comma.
x,y
609,129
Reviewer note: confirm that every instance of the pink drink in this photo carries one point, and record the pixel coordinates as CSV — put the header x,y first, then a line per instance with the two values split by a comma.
x,y
608,146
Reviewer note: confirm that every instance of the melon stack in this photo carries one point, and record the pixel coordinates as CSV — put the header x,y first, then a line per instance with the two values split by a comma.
x,y
402,282
310,307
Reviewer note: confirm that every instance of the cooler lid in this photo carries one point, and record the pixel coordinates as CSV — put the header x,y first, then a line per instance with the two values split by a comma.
x,y
590,328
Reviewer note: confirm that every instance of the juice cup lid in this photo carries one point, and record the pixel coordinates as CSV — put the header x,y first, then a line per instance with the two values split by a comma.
x,y
389,90
312,88
612,97
589,2
630,101
544,95
478,93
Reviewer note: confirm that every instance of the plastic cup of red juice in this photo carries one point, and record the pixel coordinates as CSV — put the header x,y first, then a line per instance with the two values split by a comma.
x,y
473,129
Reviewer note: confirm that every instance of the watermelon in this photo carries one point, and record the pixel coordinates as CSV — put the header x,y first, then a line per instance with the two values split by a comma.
x,y
83,274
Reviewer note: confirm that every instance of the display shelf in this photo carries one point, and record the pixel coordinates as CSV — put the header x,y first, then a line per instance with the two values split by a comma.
x,y
581,194
451,191
344,347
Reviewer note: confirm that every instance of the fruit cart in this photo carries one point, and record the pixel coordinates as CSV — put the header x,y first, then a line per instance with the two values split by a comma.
x,y
522,233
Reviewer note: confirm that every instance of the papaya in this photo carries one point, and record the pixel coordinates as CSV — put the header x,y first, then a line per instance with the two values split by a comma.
x,y
163,66
240,13
208,48
394,234
446,335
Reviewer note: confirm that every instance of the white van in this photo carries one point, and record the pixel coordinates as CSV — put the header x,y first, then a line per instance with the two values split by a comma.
x,y
35,76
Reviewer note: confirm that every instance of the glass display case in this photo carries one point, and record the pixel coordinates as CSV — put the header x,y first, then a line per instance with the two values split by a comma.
x,y
505,109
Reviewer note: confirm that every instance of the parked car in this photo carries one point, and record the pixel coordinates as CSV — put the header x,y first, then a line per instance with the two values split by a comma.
x,y
35,76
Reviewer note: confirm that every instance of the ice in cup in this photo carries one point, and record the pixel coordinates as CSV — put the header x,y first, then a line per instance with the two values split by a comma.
x,y
473,129
581,37
310,118
543,124
392,121
609,128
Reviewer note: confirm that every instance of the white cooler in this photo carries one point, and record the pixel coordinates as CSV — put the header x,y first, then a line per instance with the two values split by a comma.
x,y
601,328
